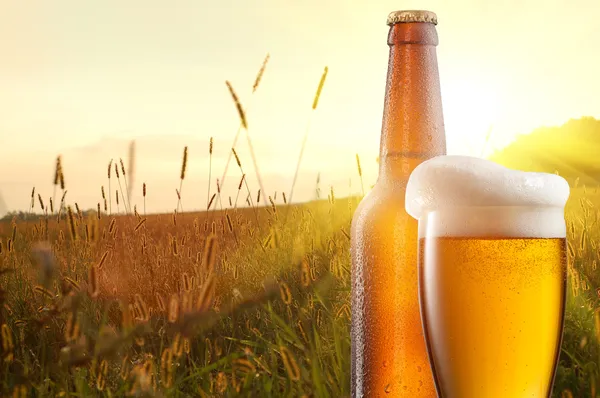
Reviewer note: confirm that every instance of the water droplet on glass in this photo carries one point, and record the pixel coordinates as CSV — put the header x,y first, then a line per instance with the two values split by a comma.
x,y
388,389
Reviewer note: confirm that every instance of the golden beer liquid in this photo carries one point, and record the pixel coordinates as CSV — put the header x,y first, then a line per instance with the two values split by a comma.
x,y
493,314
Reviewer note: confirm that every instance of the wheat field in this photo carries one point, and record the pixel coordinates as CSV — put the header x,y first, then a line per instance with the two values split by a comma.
x,y
247,301
235,302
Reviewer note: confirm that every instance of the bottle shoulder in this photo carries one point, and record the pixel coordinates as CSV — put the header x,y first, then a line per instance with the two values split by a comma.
x,y
384,201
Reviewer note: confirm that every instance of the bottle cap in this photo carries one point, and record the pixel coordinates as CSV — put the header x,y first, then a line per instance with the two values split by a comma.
x,y
408,16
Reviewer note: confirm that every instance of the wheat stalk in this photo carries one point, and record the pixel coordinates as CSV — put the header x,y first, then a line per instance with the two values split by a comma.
x,y
210,152
182,176
239,163
303,146
131,169
72,228
109,190
62,205
120,188
314,108
360,174
32,203
245,126
144,194
126,201
239,189
239,130
57,173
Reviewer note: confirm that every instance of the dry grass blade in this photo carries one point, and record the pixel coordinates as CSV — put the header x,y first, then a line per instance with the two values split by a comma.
x,y
102,260
72,228
72,282
320,88
207,294
131,168
345,233
44,292
360,174
142,307
184,163
210,253
290,364
237,159
260,73
238,105
303,146
244,365
57,170
41,201
109,187
210,152
229,223
211,201
94,289
62,178
32,204
139,224
286,294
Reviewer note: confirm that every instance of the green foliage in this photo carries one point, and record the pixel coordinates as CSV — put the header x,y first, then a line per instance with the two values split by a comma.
x,y
572,149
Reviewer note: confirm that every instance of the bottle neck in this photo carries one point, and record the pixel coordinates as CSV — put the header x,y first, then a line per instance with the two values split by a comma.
x,y
413,124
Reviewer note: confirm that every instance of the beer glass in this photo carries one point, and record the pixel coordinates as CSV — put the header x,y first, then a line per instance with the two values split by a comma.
x,y
492,282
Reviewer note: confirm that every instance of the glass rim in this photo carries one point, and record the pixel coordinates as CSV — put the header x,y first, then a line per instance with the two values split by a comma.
x,y
497,207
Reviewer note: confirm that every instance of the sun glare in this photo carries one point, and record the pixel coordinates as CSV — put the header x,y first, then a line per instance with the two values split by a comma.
x,y
470,110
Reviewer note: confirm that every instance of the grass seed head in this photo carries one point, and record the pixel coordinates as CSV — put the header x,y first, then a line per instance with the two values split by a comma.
x,y
320,88
184,163
238,105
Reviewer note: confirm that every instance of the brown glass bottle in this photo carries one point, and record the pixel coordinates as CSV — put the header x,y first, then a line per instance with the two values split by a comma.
x,y
389,355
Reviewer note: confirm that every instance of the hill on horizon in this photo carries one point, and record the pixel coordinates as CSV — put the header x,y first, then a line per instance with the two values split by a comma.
x,y
572,150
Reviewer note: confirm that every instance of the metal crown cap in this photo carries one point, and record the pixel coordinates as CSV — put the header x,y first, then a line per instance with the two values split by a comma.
x,y
408,16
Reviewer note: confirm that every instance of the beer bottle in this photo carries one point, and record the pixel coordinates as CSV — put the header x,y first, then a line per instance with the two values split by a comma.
x,y
389,357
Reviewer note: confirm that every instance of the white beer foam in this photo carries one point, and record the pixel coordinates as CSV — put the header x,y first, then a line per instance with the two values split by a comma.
x,y
468,196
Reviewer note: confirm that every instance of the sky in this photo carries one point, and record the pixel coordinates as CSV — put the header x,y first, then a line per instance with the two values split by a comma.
x,y
83,79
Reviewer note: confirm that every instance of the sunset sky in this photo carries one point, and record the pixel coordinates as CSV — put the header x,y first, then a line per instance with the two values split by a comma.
x,y
82,79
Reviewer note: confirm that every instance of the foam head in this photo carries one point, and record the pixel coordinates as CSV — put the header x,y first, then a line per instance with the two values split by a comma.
x,y
475,197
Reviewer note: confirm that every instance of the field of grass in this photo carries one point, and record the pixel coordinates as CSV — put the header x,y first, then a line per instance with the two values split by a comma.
x,y
251,301
248,302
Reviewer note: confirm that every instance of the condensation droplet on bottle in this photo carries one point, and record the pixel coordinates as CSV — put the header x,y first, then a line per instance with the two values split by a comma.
x,y
388,388
385,364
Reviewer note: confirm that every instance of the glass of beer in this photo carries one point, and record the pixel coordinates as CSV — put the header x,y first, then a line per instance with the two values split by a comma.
x,y
492,275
